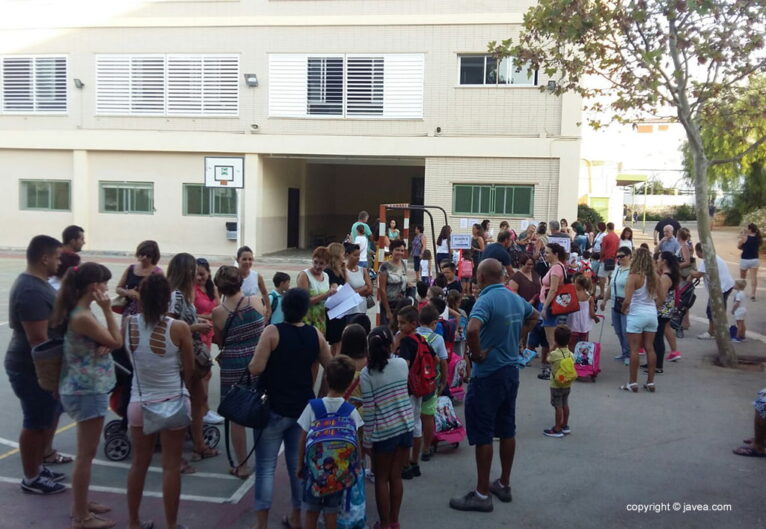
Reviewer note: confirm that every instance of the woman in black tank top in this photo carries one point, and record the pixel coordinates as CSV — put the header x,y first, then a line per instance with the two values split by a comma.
x,y
285,361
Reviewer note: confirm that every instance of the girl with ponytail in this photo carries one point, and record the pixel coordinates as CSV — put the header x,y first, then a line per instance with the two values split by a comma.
x,y
87,375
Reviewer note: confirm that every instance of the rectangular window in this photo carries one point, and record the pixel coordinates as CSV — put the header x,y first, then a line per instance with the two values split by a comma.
x,y
484,70
52,195
517,201
167,85
32,85
211,201
325,86
126,197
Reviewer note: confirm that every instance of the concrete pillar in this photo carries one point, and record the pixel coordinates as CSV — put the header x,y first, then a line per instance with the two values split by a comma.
x,y
83,193
252,201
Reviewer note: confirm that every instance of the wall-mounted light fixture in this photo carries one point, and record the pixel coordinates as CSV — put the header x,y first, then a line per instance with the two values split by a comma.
x,y
551,86
438,130
78,84
251,80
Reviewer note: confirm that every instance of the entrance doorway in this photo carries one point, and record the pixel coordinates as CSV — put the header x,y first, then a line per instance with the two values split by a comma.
x,y
293,217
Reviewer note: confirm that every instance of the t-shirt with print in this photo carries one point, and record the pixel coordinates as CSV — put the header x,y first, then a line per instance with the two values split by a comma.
x,y
396,280
555,357
331,404
30,299
361,241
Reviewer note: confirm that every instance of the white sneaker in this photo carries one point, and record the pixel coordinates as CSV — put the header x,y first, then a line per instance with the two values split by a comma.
x,y
705,336
626,361
212,417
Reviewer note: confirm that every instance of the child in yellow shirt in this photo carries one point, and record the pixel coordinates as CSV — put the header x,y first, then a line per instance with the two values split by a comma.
x,y
559,390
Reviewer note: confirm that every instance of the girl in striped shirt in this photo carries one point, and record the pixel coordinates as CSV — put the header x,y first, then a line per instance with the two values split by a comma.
x,y
388,422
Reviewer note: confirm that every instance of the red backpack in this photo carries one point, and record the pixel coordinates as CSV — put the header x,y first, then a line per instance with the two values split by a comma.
x,y
422,377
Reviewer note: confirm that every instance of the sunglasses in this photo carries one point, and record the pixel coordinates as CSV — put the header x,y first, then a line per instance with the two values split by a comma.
x,y
620,256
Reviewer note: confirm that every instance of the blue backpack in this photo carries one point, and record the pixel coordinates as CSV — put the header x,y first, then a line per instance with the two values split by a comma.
x,y
332,458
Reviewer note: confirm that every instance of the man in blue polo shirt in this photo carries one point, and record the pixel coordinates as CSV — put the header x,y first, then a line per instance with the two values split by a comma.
x,y
499,320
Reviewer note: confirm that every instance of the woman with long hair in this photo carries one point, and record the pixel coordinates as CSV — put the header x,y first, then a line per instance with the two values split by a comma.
x,y
358,278
640,306
388,422
87,376
182,275
393,231
616,292
750,241
284,360
687,265
595,253
252,282
316,282
443,248
206,298
238,323
478,244
626,238
670,277
526,283
555,256
336,272
162,352
148,255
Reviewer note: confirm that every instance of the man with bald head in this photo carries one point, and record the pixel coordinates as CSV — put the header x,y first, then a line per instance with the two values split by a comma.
x,y
499,320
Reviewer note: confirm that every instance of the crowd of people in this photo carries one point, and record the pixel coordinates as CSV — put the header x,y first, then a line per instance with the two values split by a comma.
x,y
464,316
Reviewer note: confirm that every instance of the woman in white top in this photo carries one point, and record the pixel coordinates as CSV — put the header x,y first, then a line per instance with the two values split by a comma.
x,y
316,282
357,277
641,308
252,281
626,238
161,350
443,250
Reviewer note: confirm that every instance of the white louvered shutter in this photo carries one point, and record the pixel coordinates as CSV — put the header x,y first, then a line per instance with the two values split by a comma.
x,y
288,85
50,84
184,84
220,85
113,84
403,86
364,85
18,80
147,84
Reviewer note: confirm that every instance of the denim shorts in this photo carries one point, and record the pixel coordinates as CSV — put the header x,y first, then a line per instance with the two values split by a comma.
x,y
550,320
391,445
490,406
330,504
84,407
642,322
760,403
39,408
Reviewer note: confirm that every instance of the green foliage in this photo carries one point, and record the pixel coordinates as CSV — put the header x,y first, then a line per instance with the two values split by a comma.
x,y
684,212
586,213
654,187
750,195
757,217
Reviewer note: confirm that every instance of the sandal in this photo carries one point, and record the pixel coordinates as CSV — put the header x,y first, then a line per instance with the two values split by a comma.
x,y
748,451
56,458
186,468
286,523
204,454
98,508
630,386
649,386
92,522
237,472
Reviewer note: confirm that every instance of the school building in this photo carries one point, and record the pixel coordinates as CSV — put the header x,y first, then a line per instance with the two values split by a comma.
x,y
107,115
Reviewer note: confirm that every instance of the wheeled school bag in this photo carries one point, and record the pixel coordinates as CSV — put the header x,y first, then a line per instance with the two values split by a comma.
x,y
587,356
332,459
449,429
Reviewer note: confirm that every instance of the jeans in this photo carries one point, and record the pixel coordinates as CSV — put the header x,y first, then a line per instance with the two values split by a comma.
x,y
416,263
620,324
280,429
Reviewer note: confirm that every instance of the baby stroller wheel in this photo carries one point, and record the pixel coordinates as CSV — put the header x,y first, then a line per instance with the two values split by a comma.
x,y
117,448
455,445
211,435
113,428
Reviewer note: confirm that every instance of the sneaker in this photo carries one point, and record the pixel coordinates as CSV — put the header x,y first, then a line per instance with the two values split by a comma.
x,y
565,429
502,492
42,486
415,470
471,502
552,433
51,475
545,374
737,340
426,456
673,356
370,475
407,473
626,361
705,336
619,357
212,417
641,352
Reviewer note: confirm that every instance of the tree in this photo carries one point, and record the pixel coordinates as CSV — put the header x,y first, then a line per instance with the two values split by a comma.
x,y
685,59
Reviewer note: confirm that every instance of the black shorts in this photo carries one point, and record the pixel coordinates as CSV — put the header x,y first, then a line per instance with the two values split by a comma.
x,y
38,406
490,406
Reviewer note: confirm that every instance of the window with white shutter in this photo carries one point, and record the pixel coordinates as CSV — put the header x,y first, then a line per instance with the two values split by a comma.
x,y
167,85
32,85
387,86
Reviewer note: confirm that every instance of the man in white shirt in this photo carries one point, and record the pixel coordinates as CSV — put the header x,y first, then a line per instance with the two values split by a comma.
x,y
727,285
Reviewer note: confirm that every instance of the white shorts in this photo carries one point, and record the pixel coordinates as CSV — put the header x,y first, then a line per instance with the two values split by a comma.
x,y
602,272
416,404
739,314
747,264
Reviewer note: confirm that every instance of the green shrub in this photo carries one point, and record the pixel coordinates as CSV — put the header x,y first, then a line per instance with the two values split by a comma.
x,y
732,216
757,217
586,213
684,212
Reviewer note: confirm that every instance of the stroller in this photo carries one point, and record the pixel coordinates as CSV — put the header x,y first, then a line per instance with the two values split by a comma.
x,y
685,298
449,429
117,444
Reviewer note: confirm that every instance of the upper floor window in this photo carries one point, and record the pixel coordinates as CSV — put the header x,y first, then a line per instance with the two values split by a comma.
x,y
484,70
350,86
167,85
34,85
126,197
488,199
213,201
53,195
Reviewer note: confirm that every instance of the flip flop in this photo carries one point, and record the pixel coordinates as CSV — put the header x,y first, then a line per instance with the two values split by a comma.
x,y
236,473
748,452
186,468
204,454
286,523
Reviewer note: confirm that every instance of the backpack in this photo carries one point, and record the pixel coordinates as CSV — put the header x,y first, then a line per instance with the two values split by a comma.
x,y
422,377
566,373
274,297
332,459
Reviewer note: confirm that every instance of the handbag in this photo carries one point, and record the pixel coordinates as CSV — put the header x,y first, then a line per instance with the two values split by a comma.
x,y
565,301
246,404
119,303
370,301
609,264
47,358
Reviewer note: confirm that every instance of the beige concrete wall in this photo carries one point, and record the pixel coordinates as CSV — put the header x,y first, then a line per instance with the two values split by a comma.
x,y
279,174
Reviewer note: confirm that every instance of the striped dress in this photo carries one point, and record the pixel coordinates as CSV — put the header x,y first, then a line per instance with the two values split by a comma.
x,y
239,345
386,408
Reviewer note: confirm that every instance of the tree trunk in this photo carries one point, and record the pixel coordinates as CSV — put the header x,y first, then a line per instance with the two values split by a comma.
x,y
726,355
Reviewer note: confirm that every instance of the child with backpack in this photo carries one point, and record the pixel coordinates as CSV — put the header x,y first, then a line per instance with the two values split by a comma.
x,y
281,285
581,321
563,374
428,319
329,450
388,422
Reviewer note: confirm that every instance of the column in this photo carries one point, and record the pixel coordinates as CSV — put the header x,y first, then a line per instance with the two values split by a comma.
x,y
252,201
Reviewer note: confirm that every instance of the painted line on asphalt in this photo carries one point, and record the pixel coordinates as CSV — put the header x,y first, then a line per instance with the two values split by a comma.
x,y
15,445
249,482
750,334
126,466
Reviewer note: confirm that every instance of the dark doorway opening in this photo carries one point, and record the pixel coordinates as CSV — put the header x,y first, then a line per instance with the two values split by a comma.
x,y
418,197
293,217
